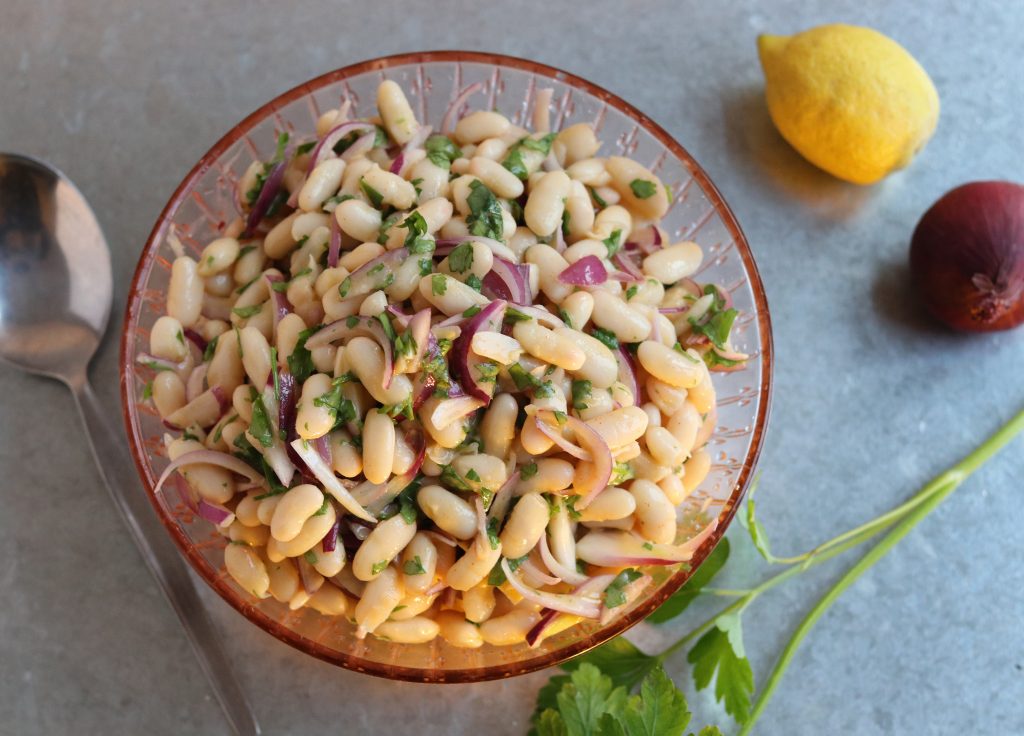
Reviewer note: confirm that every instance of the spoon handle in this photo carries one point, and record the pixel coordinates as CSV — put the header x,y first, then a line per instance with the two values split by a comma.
x,y
162,557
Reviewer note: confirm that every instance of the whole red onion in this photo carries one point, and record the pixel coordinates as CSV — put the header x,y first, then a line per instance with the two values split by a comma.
x,y
967,256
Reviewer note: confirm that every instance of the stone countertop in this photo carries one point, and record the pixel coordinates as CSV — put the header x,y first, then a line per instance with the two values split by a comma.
x,y
870,398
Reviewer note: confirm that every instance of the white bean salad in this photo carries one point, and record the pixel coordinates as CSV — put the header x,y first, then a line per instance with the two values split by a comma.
x,y
451,383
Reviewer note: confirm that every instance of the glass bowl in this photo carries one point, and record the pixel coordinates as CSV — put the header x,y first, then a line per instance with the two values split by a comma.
x,y
205,201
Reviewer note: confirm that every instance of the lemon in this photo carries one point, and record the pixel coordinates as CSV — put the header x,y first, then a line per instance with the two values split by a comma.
x,y
851,100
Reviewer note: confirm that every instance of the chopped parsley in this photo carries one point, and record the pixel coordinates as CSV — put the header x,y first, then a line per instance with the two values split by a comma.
x,y
246,312
484,218
323,508
716,323
310,557
526,381
341,409
528,471
601,204
300,362
414,566
613,242
438,284
497,575
405,345
580,393
441,151
492,533
607,337
615,594
621,473
472,311
631,292
147,391
473,282
461,259
513,315
260,426
378,567
643,188
375,197
417,241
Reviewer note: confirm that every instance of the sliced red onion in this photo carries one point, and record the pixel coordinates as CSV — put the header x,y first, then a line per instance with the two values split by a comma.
x,y
631,592
631,270
488,318
210,457
400,317
323,473
278,460
578,605
363,144
418,139
334,249
396,165
568,574
354,326
627,372
563,543
554,434
323,448
595,584
422,389
215,513
271,188
530,569
330,541
503,497
481,519
194,385
196,339
436,588
647,241
600,456
287,401
310,578
282,307
186,493
587,271
619,549
451,115
325,148
672,310
692,287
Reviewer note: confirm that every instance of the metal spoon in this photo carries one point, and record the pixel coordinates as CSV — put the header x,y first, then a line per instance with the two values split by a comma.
x,y
55,296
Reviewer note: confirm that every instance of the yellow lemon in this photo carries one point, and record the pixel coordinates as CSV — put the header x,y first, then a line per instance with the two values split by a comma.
x,y
851,100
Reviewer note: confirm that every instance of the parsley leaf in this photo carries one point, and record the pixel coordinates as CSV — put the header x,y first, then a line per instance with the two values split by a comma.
x,y
492,533
484,218
613,242
621,472
473,282
300,362
414,566
682,598
587,697
721,651
660,709
497,575
260,426
375,197
513,315
753,526
541,145
246,312
601,204
615,594
341,409
643,188
580,393
211,348
441,151
620,660
461,259
514,163
528,471
147,391
378,567
716,323
607,337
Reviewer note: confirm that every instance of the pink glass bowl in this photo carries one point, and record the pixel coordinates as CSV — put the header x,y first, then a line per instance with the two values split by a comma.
x,y
205,201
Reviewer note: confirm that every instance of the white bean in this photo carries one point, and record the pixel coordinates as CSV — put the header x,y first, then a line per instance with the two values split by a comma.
x,y
673,263
321,184
481,125
418,630
312,532
525,525
479,602
655,515
611,313
167,340
620,427
641,190
474,565
448,511
313,420
609,505
419,554
544,207
498,428
381,546
358,219
696,469
367,361
245,566
379,439
600,367
554,347
393,189
498,179
510,628
379,599
296,506
682,370
217,256
457,631
169,393
185,292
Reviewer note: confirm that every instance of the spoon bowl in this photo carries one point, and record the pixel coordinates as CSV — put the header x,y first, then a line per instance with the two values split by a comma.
x,y
55,279
55,295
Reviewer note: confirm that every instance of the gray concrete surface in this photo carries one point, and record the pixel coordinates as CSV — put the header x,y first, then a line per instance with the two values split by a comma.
x,y
871,399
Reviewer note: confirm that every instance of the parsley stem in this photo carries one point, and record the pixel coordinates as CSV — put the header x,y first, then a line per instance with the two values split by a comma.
x,y
933,494
725,592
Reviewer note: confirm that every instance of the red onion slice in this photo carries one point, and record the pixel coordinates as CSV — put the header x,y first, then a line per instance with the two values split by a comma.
x,y
363,144
503,497
624,262
334,249
692,287
600,458
354,326
323,448
271,188
488,318
330,541
196,339
282,307
186,494
531,569
568,574
400,317
215,513
422,389
210,457
396,165
162,364
325,148
619,549
587,271
554,434
323,473
194,385
595,584
627,372
578,605
451,115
